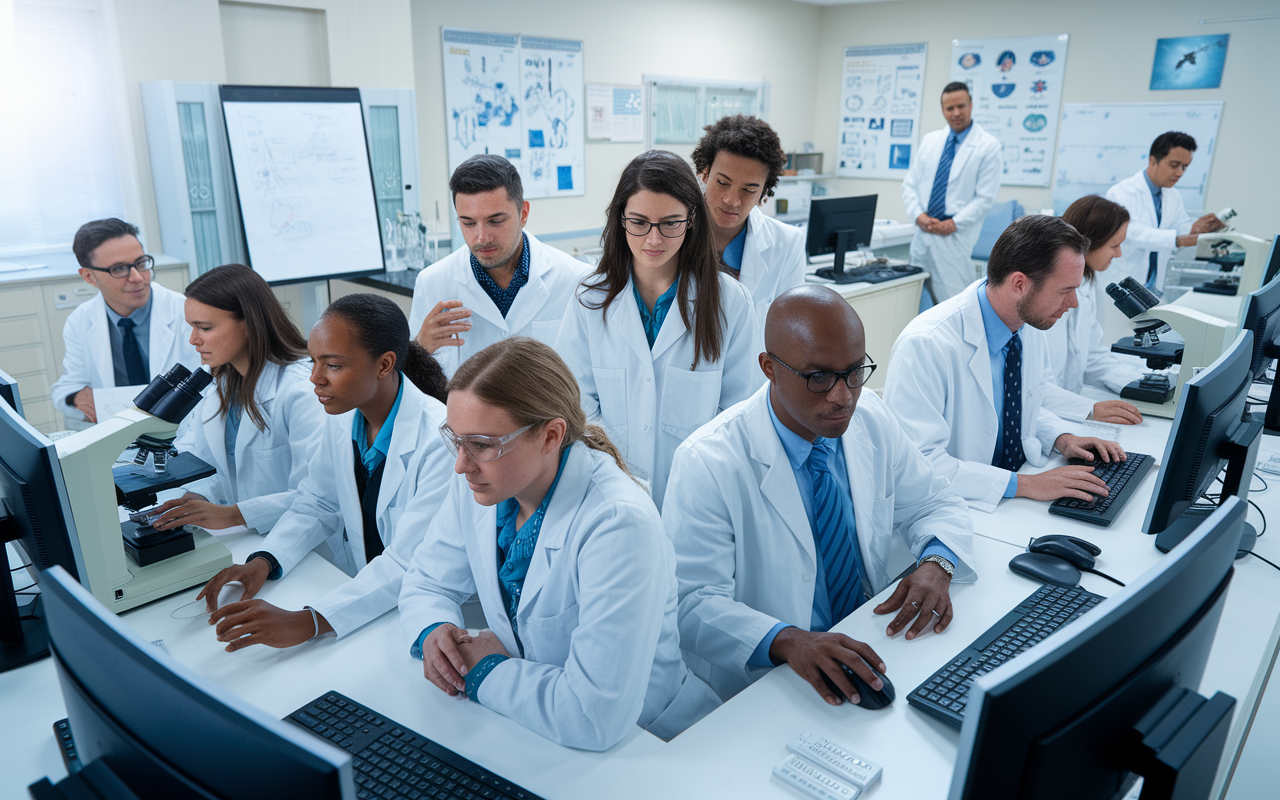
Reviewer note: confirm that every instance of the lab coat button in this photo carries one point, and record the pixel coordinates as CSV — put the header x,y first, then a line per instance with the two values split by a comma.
x,y
991,432
805,578
646,427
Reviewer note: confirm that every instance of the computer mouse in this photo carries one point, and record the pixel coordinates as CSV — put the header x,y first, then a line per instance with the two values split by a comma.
x,y
1074,555
868,698
1084,544
1043,568
901,268
231,592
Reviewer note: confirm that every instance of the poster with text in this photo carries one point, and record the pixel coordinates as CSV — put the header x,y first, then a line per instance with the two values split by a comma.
x,y
1016,85
615,113
551,83
880,92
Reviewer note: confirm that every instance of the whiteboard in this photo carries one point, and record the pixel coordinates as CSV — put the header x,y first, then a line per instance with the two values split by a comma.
x,y
302,174
1101,144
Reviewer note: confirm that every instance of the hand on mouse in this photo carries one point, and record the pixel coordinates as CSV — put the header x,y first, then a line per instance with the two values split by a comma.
x,y
1089,448
251,575
258,622
1077,482
1116,411
924,595
812,654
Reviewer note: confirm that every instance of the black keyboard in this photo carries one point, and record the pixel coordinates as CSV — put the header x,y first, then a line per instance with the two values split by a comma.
x,y
391,761
1122,479
875,273
946,693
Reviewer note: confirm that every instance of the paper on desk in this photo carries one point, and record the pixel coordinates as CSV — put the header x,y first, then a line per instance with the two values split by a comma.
x,y
1100,430
219,531
107,402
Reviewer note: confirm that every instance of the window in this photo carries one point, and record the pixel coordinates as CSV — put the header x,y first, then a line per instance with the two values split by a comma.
x,y
59,154
679,108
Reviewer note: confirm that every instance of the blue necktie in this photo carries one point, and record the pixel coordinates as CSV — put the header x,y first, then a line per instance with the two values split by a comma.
x,y
938,198
833,534
133,366
1009,454
1158,199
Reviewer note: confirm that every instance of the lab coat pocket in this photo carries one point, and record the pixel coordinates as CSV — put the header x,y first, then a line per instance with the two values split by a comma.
x,y
611,389
689,400
545,330
547,639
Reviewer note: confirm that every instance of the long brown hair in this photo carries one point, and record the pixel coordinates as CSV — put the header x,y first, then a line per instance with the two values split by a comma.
x,y
529,380
663,172
272,336
1098,219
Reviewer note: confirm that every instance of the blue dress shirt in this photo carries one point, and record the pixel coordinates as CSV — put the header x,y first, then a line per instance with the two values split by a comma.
x,y
732,255
373,454
798,450
503,298
141,329
998,338
652,321
1157,196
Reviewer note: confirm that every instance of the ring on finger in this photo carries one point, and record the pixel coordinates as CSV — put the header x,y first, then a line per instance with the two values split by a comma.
x,y
915,605
936,614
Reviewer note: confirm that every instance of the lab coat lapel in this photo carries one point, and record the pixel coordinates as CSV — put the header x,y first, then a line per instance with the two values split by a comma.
x,y
779,483
343,466
264,394
164,323
975,334
215,435
964,152
474,297
755,253
533,295
485,570
858,458
562,512
673,327
625,313
404,438
100,342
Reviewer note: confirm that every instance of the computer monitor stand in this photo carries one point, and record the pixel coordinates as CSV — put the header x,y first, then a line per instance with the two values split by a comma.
x,y
845,242
23,636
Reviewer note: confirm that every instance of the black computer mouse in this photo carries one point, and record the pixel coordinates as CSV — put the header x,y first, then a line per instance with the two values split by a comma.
x,y
868,698
1084,544
1073,554
1043,568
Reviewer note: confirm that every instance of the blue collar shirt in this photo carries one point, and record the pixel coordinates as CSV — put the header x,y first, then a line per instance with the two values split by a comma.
x,y
652,321
732,255
371,455
1157,196
503,298
141,329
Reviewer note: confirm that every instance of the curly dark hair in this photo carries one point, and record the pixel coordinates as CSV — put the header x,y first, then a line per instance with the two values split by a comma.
x,y
749,137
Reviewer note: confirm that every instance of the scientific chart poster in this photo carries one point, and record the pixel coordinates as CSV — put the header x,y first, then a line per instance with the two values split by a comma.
x,y
615,113
519,97
1016,85
880,94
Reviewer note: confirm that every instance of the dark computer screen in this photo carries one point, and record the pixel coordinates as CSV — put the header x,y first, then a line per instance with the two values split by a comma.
x,y
828,216
1261,317
165,731
1057,721
1210,416
9,392
1273,263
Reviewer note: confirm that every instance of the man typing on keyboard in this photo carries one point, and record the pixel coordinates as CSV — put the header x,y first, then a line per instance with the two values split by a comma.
x,y
783,509
968,375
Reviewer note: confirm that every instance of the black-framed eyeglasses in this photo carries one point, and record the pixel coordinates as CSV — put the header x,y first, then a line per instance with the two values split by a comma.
x,y
669,228
142,265
821,381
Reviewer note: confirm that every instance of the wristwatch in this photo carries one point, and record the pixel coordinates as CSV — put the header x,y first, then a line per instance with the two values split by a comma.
x,y
946,565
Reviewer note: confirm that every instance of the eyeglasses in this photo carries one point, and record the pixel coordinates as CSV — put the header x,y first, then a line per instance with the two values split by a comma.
x,y
142,265
670,228
479,448
821,381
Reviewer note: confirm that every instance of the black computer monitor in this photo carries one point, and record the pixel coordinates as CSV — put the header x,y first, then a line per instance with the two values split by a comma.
x,y
9,392
1070,718
1260,317
1212,429
837,225
164,731
34,511
1273,263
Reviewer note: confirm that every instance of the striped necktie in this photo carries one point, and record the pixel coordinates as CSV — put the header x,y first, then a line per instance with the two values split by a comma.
x,y
833,534
938,197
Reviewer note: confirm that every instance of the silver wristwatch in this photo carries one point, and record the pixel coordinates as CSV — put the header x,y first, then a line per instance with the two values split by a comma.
x,y
946,565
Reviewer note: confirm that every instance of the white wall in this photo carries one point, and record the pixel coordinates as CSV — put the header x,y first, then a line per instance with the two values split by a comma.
x,y
1108,60
750,40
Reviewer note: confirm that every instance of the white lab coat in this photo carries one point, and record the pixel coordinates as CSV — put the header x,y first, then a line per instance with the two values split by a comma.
x,y
649,400
1079,354
537,310
772,260
1144,233
745,554
269,464
939,385
87,339
415,478
597,616
971,191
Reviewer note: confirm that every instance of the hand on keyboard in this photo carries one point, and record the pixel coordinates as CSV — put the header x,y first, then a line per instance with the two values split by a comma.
x,y
1089,448
1077,482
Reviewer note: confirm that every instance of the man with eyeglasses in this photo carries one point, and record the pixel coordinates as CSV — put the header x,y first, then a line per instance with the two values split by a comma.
x,y
783,510
503,283
130,332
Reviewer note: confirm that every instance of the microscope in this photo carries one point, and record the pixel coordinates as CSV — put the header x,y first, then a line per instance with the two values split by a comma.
x,y
126,564
1239,257
1180,336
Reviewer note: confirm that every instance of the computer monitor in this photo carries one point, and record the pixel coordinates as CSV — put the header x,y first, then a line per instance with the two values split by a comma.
x,y
1260,317
164,731
1273,262
837,225
9,392
1071,717
1212,429
34,511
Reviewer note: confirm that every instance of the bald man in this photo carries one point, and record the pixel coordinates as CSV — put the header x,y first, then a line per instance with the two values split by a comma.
x,y
783,508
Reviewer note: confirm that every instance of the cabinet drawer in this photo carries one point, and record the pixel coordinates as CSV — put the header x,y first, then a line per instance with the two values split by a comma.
x,y
25,330
40,415
19,302
33,385
20,360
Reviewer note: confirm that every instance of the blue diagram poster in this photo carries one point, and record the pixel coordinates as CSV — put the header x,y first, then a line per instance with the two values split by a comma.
x,y
1189,62
881,90
520,97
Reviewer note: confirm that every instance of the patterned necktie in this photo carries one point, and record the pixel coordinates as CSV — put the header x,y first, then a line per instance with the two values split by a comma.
x,y
1009,453
938,198
133,364
833,534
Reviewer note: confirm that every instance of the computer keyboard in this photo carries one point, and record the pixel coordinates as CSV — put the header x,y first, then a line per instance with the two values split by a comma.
x,y
1121,477
391,761
946,693
874,273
